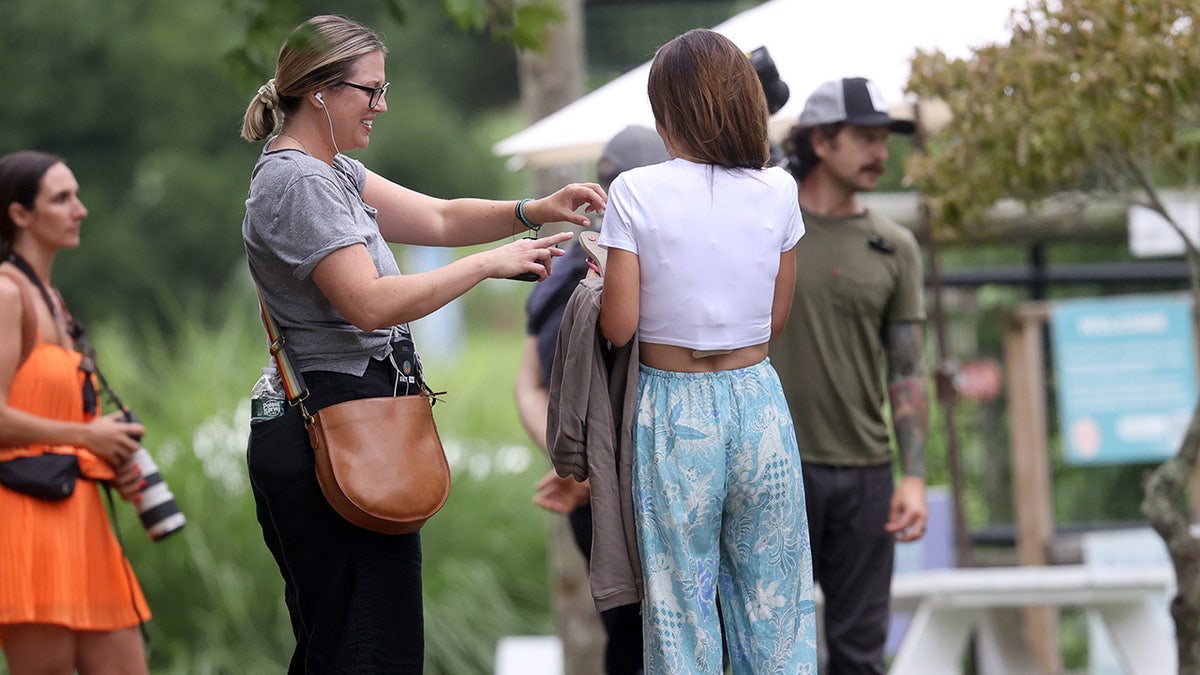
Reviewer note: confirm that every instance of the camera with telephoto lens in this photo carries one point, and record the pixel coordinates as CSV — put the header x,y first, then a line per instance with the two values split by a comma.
x,y
776,89
156,506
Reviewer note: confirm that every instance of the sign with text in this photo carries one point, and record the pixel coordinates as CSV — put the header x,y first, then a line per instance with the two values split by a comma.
x,y
1126,374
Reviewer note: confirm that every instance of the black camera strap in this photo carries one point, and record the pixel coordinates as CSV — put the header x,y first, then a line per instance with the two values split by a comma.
x,y
63,316
27,269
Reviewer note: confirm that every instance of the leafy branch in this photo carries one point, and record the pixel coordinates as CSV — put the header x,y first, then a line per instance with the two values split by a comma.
x,y
266,23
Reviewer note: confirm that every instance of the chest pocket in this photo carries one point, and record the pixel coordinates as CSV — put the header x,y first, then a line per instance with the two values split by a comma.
x,y
863,288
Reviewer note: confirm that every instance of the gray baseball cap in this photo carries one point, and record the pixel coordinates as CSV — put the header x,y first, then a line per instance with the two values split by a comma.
x,y
631,147
853,100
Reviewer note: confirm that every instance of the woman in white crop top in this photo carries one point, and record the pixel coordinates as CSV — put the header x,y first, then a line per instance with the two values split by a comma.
x,y
700,270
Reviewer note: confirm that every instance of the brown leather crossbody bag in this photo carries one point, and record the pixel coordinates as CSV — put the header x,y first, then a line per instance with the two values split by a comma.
x,y
380,461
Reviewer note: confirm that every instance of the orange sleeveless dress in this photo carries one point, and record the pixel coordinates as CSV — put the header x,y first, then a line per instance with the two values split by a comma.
x,y
60,562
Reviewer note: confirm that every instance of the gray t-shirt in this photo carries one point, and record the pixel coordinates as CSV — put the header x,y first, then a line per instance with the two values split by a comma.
x,y
300,210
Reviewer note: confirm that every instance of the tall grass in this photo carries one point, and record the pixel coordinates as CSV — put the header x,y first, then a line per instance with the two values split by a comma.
x,y
216,594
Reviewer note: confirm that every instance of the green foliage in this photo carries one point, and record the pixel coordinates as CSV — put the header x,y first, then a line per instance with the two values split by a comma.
x,y
621,36
1092,94
489,536
522,23
216,594
150,145
263,24
136,97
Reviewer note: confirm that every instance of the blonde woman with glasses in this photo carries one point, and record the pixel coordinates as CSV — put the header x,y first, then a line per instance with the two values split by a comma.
x,y
316,232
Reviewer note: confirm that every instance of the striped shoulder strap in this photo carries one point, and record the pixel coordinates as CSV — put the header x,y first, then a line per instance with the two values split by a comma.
x,y
293,381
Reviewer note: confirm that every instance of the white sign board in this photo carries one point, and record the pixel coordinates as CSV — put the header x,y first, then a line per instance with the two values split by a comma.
x,y
1150,235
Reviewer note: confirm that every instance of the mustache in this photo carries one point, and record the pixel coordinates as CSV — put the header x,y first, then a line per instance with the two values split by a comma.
x,y
876,167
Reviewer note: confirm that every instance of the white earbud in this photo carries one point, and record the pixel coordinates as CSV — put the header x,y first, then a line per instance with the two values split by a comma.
x,y
332,136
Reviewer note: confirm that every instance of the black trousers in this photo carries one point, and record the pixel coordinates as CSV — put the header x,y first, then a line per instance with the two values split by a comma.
x,y
623,650
354,596
622,625
852,561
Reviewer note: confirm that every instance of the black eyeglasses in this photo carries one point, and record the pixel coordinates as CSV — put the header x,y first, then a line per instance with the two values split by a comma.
x,y
377,93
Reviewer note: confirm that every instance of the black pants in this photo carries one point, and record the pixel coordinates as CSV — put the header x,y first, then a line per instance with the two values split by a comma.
x,y
354,596
622,625
852,561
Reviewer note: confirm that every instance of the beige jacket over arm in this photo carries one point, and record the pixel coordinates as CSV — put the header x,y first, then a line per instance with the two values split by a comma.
x,y
593,396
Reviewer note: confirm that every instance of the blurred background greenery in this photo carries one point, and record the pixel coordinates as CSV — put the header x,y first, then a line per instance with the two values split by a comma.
x,y
144,101
215,592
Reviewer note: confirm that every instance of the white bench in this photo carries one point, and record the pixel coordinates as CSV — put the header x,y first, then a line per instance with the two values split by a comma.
x,y
949,605
529,655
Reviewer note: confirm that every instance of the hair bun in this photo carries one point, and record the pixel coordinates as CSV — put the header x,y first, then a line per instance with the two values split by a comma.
x,y
268,94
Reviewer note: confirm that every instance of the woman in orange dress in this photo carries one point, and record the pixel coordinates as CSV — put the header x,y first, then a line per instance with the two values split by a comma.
x,y
69,601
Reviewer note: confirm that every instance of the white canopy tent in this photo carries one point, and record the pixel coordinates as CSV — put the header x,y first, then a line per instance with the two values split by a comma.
x,y
811,41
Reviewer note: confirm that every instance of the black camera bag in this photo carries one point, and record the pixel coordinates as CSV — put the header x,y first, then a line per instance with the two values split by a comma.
x,y
50,475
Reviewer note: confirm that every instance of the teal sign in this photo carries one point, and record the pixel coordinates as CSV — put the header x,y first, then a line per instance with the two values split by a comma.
x,y
1125,370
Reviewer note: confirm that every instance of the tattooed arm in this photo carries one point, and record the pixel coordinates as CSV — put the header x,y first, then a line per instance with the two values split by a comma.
x,y
908,392
909,395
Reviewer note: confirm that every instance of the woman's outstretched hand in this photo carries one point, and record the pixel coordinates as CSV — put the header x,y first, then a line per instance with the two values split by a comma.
x,y
526,255
562,206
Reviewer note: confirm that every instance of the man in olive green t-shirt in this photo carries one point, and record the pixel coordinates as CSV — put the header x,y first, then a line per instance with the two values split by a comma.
x,y
856,318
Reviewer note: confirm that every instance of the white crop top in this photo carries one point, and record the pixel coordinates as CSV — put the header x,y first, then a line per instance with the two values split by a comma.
x,y
708,241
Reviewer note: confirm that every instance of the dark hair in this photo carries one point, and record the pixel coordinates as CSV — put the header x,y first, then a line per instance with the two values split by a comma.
x,y
707,98
21,176
320,53
801,159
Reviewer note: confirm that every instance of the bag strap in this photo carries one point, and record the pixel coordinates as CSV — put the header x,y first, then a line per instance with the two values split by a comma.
x,y
293,382
28,316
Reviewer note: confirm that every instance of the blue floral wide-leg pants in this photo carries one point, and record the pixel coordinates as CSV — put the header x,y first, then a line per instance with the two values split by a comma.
x,y
719,502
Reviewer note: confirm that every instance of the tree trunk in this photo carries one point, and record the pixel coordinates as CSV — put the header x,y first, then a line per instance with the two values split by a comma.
x,y
1162,505
549,81
1165,505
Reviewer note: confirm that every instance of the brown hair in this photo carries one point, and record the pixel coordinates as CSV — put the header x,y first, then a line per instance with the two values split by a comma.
x,y
21,176
798,146
319,54
709,102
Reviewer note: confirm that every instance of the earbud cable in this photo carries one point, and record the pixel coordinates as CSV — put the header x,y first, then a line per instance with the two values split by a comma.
x,y
336,152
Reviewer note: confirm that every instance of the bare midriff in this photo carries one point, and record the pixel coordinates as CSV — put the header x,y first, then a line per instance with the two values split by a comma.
x,y
687,360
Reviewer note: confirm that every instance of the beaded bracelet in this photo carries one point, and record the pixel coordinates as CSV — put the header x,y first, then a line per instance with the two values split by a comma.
x,y
520,212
